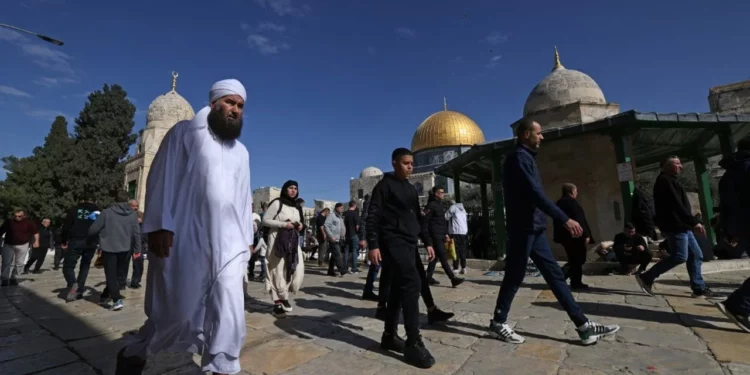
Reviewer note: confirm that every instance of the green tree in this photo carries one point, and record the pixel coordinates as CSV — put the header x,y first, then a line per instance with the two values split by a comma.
x,y
103,136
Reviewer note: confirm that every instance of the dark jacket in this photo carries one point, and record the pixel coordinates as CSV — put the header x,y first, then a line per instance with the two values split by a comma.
x,y
673,213
363,220
393,217
78,221
434,225
734,194
526,205
622,240
643,214
46,237
573,209
118,229
351,222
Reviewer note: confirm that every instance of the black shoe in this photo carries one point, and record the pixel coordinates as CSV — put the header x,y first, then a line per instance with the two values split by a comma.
x,y
135,286
432,281
392,343
13,282
370,296
417,355
286,305
438,316
579,286
123,287
704,293
55,268
740,320
332,274
278,311
381,313
36,272
129,365
4,283
645,287
25,271
456,281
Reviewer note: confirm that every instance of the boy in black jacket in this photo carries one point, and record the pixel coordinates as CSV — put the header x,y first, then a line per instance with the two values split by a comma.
x,y
393,227
677,223
435,234
77,244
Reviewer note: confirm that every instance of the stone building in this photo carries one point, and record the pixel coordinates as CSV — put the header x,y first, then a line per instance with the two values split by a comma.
x,y
163,113
439,138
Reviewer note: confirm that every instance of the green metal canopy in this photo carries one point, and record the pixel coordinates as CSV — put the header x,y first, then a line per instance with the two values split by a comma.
x,y
654,136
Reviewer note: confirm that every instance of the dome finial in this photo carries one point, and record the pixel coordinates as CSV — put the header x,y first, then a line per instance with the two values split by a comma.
x,y
174,80
558,64
445,104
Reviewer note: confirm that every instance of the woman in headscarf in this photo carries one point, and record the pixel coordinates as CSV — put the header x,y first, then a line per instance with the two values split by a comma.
x,y
285,260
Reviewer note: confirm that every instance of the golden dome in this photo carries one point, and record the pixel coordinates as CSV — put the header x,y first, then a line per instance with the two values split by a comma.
x,y
446,128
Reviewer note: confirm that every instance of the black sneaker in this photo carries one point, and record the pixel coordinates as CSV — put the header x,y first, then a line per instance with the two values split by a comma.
x,y
704,293
4,283
591,332
381,313
13,282
129,365
278,311
417,355
286,305
438,316
579,286
456,281
370,296
392,343
646,288
25,271
135,286
432,281
740,320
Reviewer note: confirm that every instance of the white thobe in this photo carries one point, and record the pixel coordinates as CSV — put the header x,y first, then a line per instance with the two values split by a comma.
x,y
199,189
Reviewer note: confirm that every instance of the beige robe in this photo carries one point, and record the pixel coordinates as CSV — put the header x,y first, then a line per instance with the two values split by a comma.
x,y
276,283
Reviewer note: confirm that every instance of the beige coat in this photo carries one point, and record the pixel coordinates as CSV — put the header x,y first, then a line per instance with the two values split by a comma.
x,y
276,283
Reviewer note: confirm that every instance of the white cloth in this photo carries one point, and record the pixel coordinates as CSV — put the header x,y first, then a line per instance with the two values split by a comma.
x,y
456,216
276,283
256,222
226,87
199,189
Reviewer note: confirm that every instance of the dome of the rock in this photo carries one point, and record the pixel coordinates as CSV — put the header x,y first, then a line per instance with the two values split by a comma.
x,y
446,128
370,172
561,87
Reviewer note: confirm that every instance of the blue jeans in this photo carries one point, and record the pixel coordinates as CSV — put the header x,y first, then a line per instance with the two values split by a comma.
x,y
372,274
77,249
683,247
351,253
521,247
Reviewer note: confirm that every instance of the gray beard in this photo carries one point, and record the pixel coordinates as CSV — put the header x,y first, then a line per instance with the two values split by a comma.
x,y
225,128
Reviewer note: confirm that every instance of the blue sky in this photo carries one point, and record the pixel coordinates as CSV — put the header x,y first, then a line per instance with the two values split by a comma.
x,y
334,86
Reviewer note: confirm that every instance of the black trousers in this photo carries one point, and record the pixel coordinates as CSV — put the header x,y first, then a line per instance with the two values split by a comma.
x,y
438,244
400,261
461,242
384,287
122,271
641,258
334,248
576,249
59,252
113,265
135,279
37,256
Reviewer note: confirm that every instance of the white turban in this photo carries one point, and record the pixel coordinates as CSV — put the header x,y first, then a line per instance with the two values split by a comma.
x,y
226,87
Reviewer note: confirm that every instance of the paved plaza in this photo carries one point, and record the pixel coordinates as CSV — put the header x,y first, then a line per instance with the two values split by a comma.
x,y
332,331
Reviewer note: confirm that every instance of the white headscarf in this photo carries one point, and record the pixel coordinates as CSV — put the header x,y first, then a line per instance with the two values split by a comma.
x,y
226,87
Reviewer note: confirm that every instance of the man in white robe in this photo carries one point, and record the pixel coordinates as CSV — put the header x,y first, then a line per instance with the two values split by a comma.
x,y
199,223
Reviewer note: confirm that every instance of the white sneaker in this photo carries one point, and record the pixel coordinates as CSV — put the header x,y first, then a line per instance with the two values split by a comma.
x,y
463,271
591,332
503,332
455,270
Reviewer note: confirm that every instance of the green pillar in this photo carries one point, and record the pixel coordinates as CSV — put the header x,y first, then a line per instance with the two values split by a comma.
x,y
499,214
726,140
483,196
704,192
622,154
456,186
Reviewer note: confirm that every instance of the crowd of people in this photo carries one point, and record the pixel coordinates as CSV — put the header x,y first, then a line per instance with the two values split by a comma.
x,y
203,242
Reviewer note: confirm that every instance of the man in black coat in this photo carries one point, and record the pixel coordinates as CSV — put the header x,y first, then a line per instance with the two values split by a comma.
x,y
643,214
575,247
435,233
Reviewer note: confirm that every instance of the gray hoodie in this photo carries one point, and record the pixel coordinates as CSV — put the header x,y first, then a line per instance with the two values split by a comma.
x,y
118,229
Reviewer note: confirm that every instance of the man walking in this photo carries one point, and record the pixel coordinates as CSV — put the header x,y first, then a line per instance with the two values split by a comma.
x,y
526,211
677,223
46,243
320,232
335,233
575,247
435,234
458,229
734,191
198,203
393,226
119,237
351,222
17,230
77,244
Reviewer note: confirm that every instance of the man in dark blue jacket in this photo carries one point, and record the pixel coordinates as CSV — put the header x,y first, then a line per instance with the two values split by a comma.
x,y
734,192
527,208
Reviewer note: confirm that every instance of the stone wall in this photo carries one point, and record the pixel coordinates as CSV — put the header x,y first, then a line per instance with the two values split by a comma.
x,y
731,98
264,194
363,185
588,162
572,114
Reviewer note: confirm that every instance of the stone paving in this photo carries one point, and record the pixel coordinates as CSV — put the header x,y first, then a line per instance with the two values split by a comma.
x,y
332,331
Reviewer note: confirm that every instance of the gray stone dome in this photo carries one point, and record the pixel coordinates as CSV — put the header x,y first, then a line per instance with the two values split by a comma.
x,y
370,172
561,87
170,108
